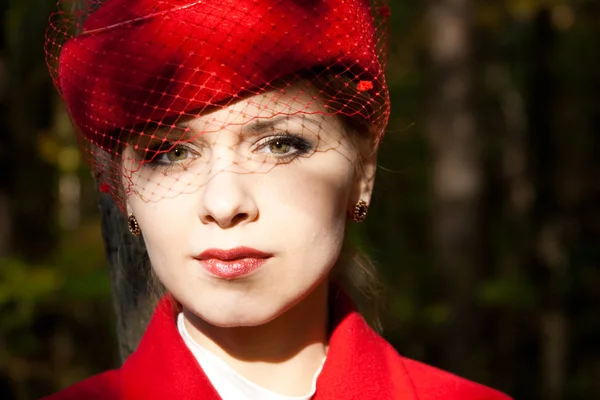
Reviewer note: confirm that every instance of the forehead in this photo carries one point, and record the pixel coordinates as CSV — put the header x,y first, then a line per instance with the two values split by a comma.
x,y
277,106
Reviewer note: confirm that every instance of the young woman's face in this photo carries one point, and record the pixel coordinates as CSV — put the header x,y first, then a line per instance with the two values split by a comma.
x,y
245,212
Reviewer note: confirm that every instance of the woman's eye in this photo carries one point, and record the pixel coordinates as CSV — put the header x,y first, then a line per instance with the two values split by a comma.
x,y
177,154
285,146
168,153
279,147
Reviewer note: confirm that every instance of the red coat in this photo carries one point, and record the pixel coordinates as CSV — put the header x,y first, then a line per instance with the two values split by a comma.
x,y
360,365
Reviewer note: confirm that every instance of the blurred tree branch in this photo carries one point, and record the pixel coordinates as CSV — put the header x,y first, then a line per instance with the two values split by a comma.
x,y
457,175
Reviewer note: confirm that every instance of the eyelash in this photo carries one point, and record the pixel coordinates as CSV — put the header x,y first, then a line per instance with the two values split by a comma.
x,y
301,146
152,156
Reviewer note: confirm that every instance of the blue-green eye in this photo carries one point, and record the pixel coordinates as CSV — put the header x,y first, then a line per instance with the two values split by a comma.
x,y
285,146
167,153
279,147
178,153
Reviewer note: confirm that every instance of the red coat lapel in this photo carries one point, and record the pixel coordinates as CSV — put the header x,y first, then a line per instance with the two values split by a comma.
x,y
358,361
360,365
162,367
357,364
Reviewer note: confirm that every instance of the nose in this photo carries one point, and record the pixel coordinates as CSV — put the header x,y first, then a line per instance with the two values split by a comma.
x,y
226,201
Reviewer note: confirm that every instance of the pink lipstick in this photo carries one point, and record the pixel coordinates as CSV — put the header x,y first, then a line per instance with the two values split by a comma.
x,y
232,263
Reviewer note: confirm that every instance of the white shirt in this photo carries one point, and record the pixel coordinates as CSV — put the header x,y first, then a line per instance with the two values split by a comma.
x,y
228,382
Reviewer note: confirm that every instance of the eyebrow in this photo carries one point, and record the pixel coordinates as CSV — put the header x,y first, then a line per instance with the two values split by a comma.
x,y
262,124
168,131
252,128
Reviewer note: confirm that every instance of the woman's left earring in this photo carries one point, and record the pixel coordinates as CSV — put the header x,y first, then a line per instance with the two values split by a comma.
x,y
133,225
360,211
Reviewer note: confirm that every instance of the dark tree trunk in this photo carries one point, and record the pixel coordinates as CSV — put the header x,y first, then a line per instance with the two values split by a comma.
x,y
549,169
6,177
457,177
30,120
130,277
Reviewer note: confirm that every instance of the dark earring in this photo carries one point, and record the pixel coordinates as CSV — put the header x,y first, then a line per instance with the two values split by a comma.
x,y
133,225
360,211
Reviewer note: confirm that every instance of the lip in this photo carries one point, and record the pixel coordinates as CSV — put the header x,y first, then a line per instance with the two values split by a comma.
x,y
232,263
237,253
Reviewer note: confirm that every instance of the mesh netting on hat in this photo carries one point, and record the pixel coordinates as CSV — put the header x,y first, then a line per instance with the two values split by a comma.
x,y
163,93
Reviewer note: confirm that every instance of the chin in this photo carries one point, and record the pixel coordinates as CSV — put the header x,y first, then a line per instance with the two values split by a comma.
x,y
236,313
233,322
237,318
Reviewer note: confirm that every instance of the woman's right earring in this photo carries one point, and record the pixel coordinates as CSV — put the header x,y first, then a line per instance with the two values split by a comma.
x,y
133,225
360,211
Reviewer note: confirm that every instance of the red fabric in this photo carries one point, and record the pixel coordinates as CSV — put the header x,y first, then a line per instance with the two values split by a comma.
x,y
360,365
149,60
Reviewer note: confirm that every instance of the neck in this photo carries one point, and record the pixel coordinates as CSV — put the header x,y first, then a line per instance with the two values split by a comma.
x,y
282,355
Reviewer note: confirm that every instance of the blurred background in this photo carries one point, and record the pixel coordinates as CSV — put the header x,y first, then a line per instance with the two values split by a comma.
x,y
485,221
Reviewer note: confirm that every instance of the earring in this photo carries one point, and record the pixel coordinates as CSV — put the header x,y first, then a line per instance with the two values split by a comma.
x,y
133,225
360,211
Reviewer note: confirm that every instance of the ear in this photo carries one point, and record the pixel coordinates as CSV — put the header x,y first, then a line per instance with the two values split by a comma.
x,y
128,209
364,175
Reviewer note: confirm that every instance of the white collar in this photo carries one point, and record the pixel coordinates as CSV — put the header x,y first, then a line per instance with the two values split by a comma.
x,y
228,382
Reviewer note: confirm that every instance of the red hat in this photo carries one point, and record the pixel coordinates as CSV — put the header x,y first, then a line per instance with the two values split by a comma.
x,y
140,61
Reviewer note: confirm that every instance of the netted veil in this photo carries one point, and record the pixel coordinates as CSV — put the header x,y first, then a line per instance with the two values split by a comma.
x,y
134,73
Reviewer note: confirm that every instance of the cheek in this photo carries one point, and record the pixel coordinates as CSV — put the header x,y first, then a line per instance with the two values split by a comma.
x,y
310,199
319,186
165,226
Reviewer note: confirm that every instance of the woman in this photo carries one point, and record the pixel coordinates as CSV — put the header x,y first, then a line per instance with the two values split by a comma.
x,y
240,137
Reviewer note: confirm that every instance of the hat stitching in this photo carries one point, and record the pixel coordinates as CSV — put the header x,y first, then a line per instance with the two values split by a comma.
x,y
142,18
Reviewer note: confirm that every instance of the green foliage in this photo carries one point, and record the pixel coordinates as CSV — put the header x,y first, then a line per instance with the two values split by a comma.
x,y
22,287
38,303
509,294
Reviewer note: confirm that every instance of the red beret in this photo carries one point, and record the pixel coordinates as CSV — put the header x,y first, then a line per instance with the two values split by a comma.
x,y
146,60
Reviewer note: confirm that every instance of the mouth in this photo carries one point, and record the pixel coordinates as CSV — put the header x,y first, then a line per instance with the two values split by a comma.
x,y
232,263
